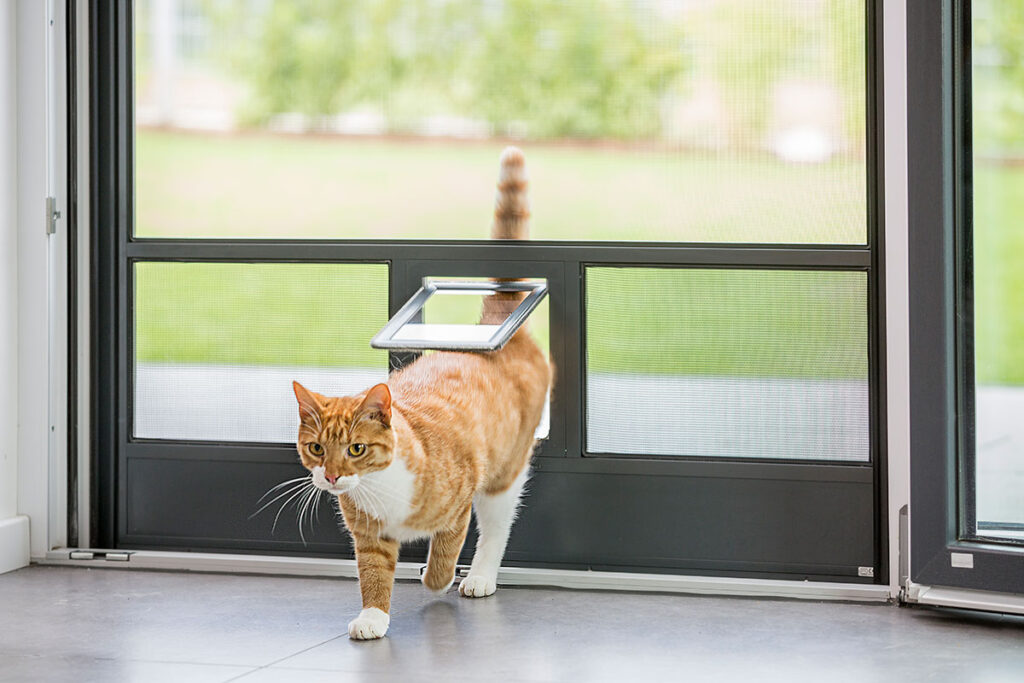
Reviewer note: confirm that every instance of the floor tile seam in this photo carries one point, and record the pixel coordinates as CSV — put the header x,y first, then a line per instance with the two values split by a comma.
x,y
294,654
137,660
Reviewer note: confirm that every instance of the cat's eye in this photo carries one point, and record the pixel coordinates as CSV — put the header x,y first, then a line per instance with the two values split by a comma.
x,y
316,449
357,449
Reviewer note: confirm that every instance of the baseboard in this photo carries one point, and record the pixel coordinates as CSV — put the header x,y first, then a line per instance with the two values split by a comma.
x,y
14,546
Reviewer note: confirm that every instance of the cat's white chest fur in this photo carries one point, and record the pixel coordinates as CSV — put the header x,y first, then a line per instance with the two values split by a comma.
x,y
388,495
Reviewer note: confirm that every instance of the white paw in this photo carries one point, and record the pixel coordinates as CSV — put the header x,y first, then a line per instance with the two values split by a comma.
x,y
477,586
371,623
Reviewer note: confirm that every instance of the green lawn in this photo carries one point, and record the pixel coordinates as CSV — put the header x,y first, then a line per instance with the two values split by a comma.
x,y
999,274
781,324
298,186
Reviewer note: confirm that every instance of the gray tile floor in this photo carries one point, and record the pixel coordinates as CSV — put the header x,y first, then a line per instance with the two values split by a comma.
x,y
68,624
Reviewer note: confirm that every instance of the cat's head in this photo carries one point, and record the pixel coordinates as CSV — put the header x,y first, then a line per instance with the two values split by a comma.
x,y
343,439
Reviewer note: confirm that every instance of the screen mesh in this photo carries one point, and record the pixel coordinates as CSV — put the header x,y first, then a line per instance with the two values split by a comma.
x,y
727,363
647,120
217,345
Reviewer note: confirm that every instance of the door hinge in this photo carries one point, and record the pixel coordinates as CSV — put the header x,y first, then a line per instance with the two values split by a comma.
x,y
108,555
52,215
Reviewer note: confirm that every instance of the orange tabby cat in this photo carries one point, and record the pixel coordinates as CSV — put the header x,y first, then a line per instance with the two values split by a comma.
x,y
451,432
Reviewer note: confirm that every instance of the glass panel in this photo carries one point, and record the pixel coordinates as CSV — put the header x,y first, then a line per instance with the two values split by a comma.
x,y
217,345
998,137
727,363
710,121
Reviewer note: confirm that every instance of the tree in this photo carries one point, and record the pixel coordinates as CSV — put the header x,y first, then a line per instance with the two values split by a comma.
x,y
998,79
570,69
750,44
585,70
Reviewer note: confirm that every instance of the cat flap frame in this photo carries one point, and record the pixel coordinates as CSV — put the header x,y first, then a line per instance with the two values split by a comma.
x,y
405,332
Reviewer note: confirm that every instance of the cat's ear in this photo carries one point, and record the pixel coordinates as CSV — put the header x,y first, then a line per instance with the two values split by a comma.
x,y
378,402
309,405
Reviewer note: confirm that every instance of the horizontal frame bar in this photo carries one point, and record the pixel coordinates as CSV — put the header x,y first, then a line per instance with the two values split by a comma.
x,y
617,252
732,468
985,601
507,576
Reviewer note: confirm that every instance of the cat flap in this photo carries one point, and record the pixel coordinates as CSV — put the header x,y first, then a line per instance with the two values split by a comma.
x,y
407,330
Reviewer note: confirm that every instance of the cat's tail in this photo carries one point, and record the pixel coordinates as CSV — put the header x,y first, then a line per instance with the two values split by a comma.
x,y
512,203
511,222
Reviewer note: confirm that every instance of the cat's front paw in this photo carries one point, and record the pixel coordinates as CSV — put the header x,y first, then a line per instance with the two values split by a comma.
x,y
436,585
370,624
477,586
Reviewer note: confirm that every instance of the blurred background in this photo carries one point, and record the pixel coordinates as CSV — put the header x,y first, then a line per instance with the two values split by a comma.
x,y
640,118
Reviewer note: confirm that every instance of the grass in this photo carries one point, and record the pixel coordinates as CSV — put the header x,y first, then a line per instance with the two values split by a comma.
x,y
999,274
281,186
260,313
739,323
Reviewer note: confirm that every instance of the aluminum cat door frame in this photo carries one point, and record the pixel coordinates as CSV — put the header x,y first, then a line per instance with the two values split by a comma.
x,y
405,332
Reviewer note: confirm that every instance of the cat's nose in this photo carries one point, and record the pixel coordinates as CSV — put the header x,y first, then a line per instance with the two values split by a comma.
x,y
330,479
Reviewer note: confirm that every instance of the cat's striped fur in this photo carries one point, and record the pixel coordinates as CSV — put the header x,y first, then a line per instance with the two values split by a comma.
x,y
449,431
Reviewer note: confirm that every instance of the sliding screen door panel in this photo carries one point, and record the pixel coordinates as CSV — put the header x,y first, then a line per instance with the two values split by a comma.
x,y
274,180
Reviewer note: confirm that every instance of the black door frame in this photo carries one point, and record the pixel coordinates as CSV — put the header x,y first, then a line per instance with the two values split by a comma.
x,y
941,321
849,500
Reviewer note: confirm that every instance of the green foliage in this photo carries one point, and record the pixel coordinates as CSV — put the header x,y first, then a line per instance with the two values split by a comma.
x,y
750,44
303,60
584,70
844,46
574,70
998,78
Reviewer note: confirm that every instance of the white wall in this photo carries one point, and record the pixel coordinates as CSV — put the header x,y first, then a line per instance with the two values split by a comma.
x,y
13,529
34,419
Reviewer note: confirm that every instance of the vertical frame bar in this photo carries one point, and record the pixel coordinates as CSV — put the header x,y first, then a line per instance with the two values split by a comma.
x,y
963,245
110,191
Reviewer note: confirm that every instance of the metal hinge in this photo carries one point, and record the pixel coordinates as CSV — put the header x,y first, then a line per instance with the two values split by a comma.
x,y
109,555
52,215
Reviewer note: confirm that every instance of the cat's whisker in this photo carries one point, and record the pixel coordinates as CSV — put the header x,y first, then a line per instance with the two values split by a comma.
x,y
370,503
357,498
283,483
316,509
381,514
297,487
376,499
382,490
302,512
316,417
294,496
314,501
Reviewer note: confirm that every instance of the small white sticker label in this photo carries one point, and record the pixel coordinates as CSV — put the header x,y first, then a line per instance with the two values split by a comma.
x,y
865,571
962,560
